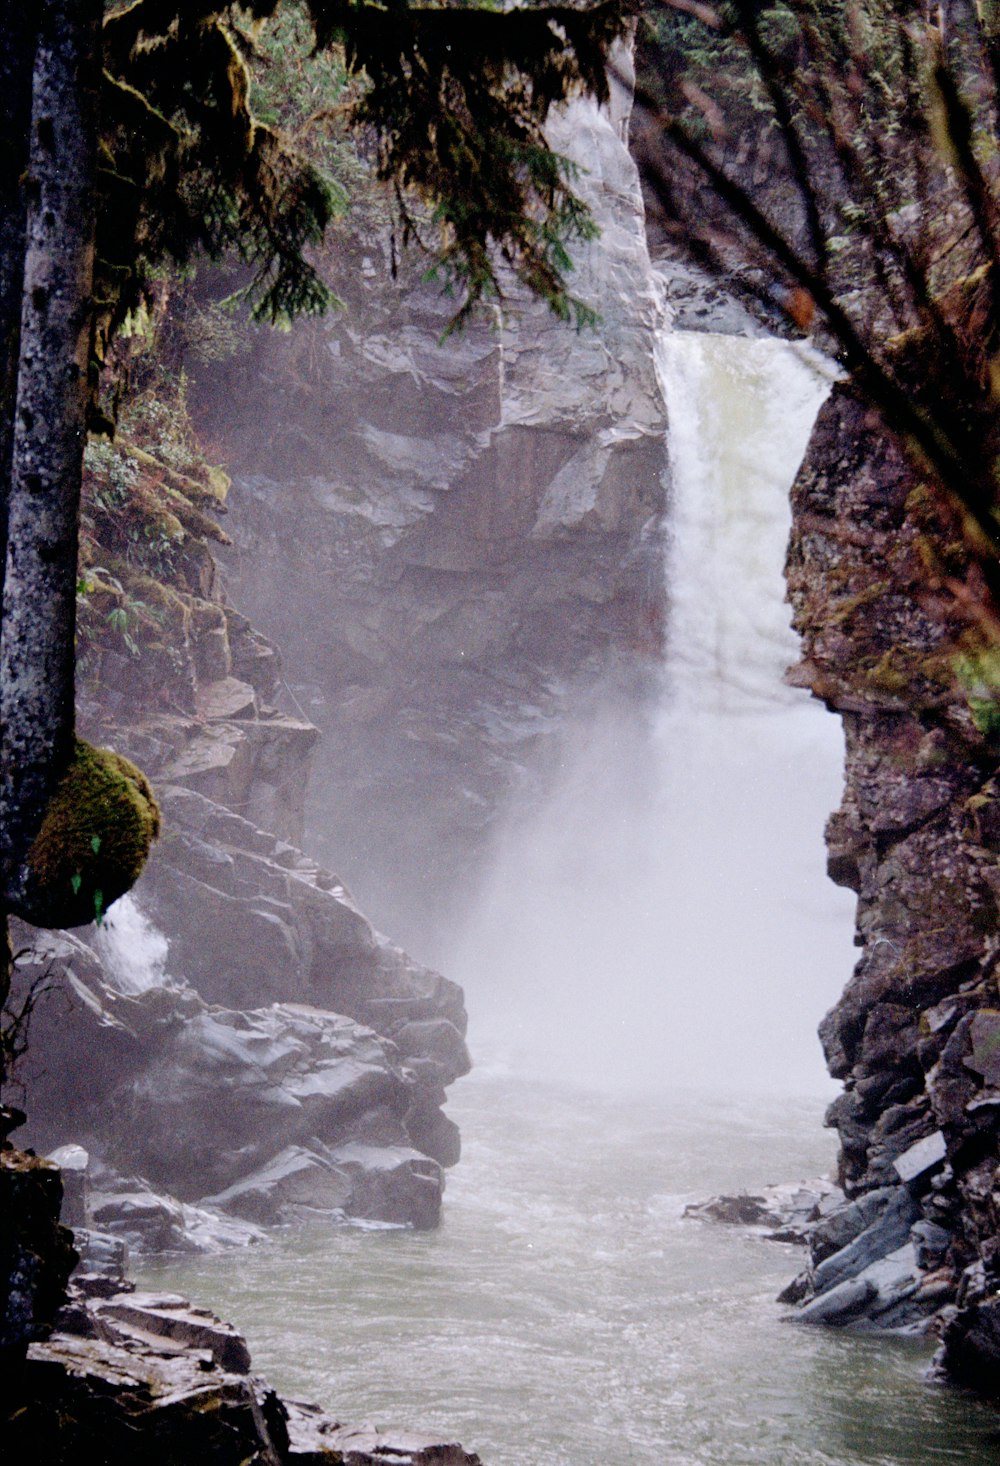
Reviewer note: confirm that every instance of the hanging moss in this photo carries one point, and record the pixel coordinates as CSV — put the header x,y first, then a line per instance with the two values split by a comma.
x,y
93,842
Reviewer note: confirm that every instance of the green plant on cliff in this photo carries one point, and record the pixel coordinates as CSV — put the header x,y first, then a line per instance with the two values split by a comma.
x,y
978,674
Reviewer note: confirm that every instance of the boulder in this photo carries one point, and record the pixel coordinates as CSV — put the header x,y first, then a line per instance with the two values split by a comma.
x,y
196,1099
391,1184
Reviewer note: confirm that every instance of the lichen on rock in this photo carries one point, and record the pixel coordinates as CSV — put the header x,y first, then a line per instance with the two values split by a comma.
x,y
93,841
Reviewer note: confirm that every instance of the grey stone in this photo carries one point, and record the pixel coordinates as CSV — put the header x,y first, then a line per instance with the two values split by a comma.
x,y
315,1439
931,1242
840,1227
840,1304
923,1156
877,1241
72,1161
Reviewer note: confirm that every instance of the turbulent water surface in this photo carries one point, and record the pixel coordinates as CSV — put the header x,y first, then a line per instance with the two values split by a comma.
x,y
565,1314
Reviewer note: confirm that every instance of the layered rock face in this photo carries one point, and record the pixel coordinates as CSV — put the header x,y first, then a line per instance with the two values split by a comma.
x,y
454,542
282,1057
916,1035
294,1062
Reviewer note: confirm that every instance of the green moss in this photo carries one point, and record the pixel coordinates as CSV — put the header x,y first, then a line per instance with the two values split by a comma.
x,y
94,839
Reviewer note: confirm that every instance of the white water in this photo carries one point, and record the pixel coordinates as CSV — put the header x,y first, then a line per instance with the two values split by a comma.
x,y
132,950
666,916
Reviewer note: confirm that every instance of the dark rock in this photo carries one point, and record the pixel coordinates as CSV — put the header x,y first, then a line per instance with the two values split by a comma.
x,y
102,1255
36,1253
168,1317
317,1440
146,1376
103,1402
196,1099
849,1300
913,1034
970,1349
788,1210
931,1243
883,1236
72,1161
380,1183
842,1225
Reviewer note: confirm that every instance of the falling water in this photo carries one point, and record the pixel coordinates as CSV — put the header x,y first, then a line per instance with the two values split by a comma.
x,y
666,917
132,950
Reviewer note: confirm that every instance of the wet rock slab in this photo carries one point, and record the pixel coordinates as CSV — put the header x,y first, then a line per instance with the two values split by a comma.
x,y
876,1262
135,1376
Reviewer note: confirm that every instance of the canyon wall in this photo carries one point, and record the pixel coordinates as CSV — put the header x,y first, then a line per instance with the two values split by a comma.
x,y
915,1038
455,542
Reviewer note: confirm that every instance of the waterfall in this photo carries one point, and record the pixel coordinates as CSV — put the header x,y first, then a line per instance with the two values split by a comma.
x,y
132,950
665,917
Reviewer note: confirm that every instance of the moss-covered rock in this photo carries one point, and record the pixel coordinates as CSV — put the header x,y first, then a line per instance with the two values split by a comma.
x,y
93,842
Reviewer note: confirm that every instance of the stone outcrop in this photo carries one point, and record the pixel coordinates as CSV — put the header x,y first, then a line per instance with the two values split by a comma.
x,y
915,1036
455,542
125,1367
294,1061
36,1251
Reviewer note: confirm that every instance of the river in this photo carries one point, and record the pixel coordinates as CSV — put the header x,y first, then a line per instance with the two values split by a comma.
x,y
567,1314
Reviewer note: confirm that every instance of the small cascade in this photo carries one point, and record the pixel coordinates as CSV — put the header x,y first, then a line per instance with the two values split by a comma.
x,y
666,918
132,950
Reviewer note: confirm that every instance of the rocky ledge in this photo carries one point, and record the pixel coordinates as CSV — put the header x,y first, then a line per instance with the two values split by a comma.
x,y
127,1374
279,1058
875,1265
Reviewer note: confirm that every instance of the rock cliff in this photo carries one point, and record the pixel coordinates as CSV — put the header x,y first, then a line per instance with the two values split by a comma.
x,y
261,1045
454,542
916,1035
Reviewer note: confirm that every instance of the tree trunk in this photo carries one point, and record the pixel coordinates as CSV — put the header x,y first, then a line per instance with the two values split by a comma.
x,y
39,596
19,27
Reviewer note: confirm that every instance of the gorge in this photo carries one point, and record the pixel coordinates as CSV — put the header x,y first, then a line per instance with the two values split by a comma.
x,y
461,612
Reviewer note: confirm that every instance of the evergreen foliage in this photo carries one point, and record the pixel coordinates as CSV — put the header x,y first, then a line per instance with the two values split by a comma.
x,y
455,97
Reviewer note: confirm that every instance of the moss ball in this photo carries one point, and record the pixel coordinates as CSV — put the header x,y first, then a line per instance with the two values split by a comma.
x,y
93,842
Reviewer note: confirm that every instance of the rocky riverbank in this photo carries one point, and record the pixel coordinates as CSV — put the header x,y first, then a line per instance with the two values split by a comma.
x,y
121,1366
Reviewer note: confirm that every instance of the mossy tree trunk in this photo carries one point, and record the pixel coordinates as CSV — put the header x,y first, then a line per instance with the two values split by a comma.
x,y
39,594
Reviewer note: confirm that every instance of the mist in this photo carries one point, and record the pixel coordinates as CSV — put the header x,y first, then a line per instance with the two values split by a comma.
x,y
662,917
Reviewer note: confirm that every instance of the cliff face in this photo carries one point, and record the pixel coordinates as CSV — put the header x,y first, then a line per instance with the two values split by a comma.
x,y
454,544
916,1034
452,541
271,1053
